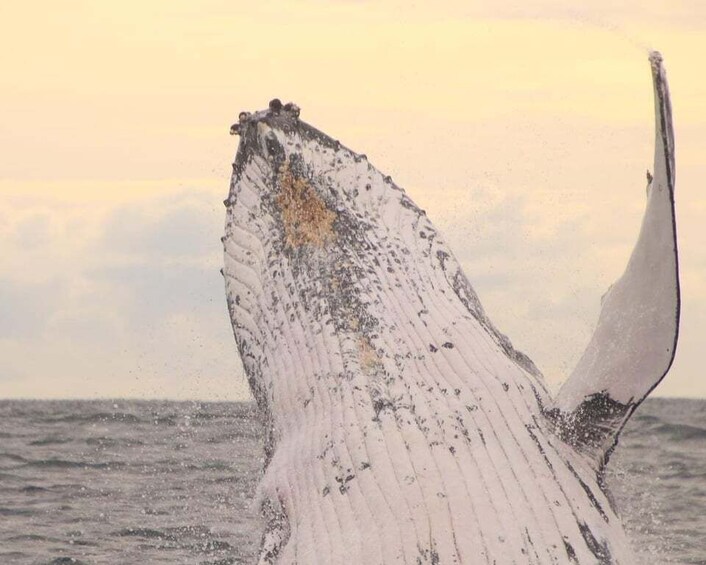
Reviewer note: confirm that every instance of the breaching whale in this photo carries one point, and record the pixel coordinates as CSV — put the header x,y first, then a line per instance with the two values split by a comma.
x,y
401,425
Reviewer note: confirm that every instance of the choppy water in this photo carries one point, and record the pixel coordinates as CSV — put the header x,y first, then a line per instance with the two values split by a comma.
x,y
125,482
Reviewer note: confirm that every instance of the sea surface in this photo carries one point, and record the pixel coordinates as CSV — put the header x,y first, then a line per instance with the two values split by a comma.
x,y
127,482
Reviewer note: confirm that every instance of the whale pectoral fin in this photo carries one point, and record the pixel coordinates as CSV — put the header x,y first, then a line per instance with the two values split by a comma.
x,y
634,342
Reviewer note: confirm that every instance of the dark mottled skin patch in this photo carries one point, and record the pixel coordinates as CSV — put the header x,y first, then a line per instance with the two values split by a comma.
x,y
469,298
276,532
343,482
599,550
589,493
570,552
428,556
591,426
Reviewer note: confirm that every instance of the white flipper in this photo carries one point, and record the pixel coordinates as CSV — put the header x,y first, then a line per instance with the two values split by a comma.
x,y
634,342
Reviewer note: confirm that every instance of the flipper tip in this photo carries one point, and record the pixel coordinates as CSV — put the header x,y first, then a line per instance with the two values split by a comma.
x,y
656,62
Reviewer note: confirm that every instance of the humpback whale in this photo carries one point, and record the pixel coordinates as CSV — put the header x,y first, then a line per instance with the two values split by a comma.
x,y
401,425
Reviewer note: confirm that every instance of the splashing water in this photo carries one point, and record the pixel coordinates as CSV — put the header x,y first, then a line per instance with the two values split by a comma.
x,y
167,482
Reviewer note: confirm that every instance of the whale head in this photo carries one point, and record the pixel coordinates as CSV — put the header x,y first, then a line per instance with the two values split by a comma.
x,y
308,192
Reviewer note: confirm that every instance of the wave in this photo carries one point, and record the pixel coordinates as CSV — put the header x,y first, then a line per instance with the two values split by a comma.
x,y
92,418
33,489
181,535
680,431
54,463
33,537
12,457
105,441
51,441
210,465
142,533
17,511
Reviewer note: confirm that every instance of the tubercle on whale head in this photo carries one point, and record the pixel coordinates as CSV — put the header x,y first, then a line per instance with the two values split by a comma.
x,y
282,120
264,133
275,108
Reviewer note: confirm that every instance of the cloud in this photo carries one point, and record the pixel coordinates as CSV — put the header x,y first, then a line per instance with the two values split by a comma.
x,y
27,309
179,228
135,305
530,158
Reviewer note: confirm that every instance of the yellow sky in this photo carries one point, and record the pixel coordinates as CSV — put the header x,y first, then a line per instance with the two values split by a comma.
x,y
525,131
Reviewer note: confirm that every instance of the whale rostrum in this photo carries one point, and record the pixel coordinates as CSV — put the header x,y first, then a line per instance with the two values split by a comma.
x,y
401,425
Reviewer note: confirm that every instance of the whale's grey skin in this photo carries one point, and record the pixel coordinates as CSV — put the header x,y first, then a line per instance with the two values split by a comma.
x,y
402,426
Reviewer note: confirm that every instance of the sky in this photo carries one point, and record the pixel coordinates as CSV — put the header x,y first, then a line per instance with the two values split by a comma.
x,y
524,131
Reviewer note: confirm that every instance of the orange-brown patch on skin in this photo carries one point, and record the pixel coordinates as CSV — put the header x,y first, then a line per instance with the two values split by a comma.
x,y
369,359
307,220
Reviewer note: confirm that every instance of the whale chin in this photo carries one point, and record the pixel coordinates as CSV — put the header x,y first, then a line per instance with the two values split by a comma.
x,y
401,425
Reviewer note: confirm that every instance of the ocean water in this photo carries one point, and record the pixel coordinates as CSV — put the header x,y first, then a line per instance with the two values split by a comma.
x,y
125,482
